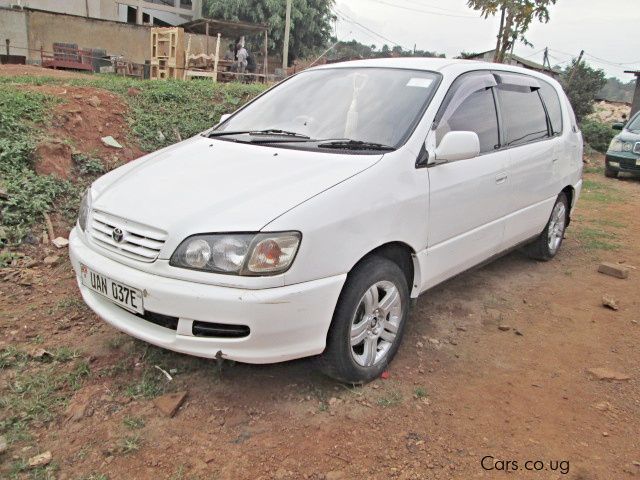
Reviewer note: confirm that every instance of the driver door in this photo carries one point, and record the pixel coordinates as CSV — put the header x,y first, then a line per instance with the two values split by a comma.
x,y
468,199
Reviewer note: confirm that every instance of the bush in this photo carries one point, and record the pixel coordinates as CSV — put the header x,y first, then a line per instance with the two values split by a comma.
x,y
598,135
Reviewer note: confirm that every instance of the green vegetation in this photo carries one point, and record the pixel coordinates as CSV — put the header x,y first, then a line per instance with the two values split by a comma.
x,y
130,444
160,113
133,423
598,135
37,389
597,239
593,191
29,195
582,83
389,399
419,392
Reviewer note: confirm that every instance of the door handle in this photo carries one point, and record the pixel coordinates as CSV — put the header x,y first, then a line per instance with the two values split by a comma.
x,y
501,178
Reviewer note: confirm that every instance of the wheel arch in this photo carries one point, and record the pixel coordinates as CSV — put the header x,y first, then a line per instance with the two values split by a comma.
x,y
402,255
569,192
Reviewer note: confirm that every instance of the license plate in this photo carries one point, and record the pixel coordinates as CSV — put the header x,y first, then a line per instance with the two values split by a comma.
x,y
123,295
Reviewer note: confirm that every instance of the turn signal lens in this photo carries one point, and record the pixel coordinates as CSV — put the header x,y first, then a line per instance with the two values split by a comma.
x,y
274,254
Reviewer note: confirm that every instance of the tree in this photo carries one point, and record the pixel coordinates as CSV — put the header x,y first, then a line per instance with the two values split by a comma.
x,y
515,18
310,21
582,83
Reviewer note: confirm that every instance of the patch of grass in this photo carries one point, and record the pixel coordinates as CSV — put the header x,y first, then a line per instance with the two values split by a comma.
x,y
389,399
95,476
7,257
129,444
133,423
36,393
599,192
20,468
597,239
116,342
88,165
608,223
64,354
11,357
149,385
419,392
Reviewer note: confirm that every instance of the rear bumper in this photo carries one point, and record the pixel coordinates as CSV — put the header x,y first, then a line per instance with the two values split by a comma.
x,y
285,322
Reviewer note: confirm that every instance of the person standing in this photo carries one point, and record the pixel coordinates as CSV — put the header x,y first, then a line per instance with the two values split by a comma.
x,y
242,58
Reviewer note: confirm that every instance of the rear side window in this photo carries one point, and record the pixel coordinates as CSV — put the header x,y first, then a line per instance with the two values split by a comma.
x,y
552,102
470,107
523,114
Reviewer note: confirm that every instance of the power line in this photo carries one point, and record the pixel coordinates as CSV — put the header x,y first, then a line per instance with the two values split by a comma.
x,y
351,20
425,11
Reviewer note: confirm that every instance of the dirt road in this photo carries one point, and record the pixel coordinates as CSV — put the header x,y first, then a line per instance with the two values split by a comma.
x,y
494,366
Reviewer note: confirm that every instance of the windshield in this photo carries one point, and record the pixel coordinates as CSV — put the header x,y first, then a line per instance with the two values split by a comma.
x,y
380,105
634,124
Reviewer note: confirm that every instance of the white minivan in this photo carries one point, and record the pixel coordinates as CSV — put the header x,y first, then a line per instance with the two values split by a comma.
x,y
306,222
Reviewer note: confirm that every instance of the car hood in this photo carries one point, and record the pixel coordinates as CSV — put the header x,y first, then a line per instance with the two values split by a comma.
x,y
629,136
211,185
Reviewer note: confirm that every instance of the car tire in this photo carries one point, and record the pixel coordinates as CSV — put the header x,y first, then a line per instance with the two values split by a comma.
x,y
546,246
610,173
368,322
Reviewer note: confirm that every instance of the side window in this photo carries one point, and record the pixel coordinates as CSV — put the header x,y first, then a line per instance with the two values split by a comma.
x,y
552,102
522,113
469,106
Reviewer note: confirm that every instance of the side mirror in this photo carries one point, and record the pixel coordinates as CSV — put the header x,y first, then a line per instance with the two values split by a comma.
x,y
617,126
224,117
457,146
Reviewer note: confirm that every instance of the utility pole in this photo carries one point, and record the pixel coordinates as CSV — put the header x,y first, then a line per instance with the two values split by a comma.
x,y
575,67
285,48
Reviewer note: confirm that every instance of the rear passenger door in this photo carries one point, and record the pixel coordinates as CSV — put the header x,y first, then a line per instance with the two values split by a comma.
x,y
533,155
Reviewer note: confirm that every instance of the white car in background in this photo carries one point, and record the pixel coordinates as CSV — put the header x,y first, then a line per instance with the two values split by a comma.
x,y
306,222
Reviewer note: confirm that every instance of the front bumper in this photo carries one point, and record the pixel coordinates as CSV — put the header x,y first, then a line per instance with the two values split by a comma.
x,y
285,322
623,162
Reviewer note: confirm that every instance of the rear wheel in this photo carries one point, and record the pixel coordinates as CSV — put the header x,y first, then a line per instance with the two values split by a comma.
x,y
548,242
368,322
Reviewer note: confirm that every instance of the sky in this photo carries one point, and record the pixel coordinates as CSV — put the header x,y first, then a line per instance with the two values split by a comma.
x,y
607,30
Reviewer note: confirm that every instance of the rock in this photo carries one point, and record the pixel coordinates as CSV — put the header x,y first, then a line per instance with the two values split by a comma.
x,y
133,92
3,444
3,193
610,302
160,136
613,270
603,373
41,353
504,328
109,141
434,341
60,242
54,158
40,460
51,260
335,475
462,328
94,101
169,404
518,332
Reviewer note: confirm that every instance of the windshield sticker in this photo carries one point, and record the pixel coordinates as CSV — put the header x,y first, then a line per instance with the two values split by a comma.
x,y
420,82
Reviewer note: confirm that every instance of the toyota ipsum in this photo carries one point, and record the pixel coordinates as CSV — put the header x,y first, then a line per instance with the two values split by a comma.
x,y
308,221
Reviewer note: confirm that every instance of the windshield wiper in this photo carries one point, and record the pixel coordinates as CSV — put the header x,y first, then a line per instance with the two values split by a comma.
x,y
267,131
355,145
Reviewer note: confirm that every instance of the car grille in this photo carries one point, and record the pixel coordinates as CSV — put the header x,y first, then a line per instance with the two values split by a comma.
x,y
139,242
629,164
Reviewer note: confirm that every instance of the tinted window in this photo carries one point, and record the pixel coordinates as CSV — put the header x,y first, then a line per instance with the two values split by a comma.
x,y
522,114
552,102
476,113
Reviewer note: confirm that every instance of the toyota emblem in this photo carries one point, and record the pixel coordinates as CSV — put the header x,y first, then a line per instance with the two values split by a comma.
x,y
117,235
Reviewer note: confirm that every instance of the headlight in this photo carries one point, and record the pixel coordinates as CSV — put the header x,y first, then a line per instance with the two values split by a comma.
x,y
85,207
615,145
238,253
627,146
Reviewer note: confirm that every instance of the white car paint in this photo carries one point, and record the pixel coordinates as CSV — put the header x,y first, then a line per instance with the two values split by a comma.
x,y
451,217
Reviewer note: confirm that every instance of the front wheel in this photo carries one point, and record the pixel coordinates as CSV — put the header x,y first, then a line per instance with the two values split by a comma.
x,y
368,322
548,243
610,173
